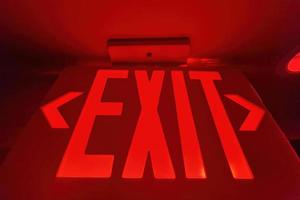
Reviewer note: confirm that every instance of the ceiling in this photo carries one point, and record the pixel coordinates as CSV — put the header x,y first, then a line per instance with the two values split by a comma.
x,y
217,28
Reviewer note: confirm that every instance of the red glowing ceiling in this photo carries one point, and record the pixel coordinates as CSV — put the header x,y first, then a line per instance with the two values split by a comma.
x,y
216,28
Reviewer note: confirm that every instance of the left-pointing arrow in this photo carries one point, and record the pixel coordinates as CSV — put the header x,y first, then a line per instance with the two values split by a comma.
x,y
52,113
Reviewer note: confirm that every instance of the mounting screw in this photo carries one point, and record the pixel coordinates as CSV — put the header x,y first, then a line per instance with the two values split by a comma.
x,y
149,54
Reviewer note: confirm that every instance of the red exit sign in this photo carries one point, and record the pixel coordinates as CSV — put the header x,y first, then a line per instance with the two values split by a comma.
x,y
151,133
148,138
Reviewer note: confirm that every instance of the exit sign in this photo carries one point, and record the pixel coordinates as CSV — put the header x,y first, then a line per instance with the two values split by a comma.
x,y
151,133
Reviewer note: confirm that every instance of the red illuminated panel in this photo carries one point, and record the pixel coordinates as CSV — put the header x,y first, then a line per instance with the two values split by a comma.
x,y
151,134
294,64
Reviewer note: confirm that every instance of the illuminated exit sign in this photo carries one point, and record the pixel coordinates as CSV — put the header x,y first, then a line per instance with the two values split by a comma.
x,y
148,138
140,133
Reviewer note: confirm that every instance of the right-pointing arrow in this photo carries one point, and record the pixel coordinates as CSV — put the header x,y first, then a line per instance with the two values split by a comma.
x,y
255,115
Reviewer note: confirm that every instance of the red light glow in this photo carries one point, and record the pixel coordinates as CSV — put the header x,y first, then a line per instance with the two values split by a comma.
x,y
151,133
149,139
237,161
201,62
294,64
